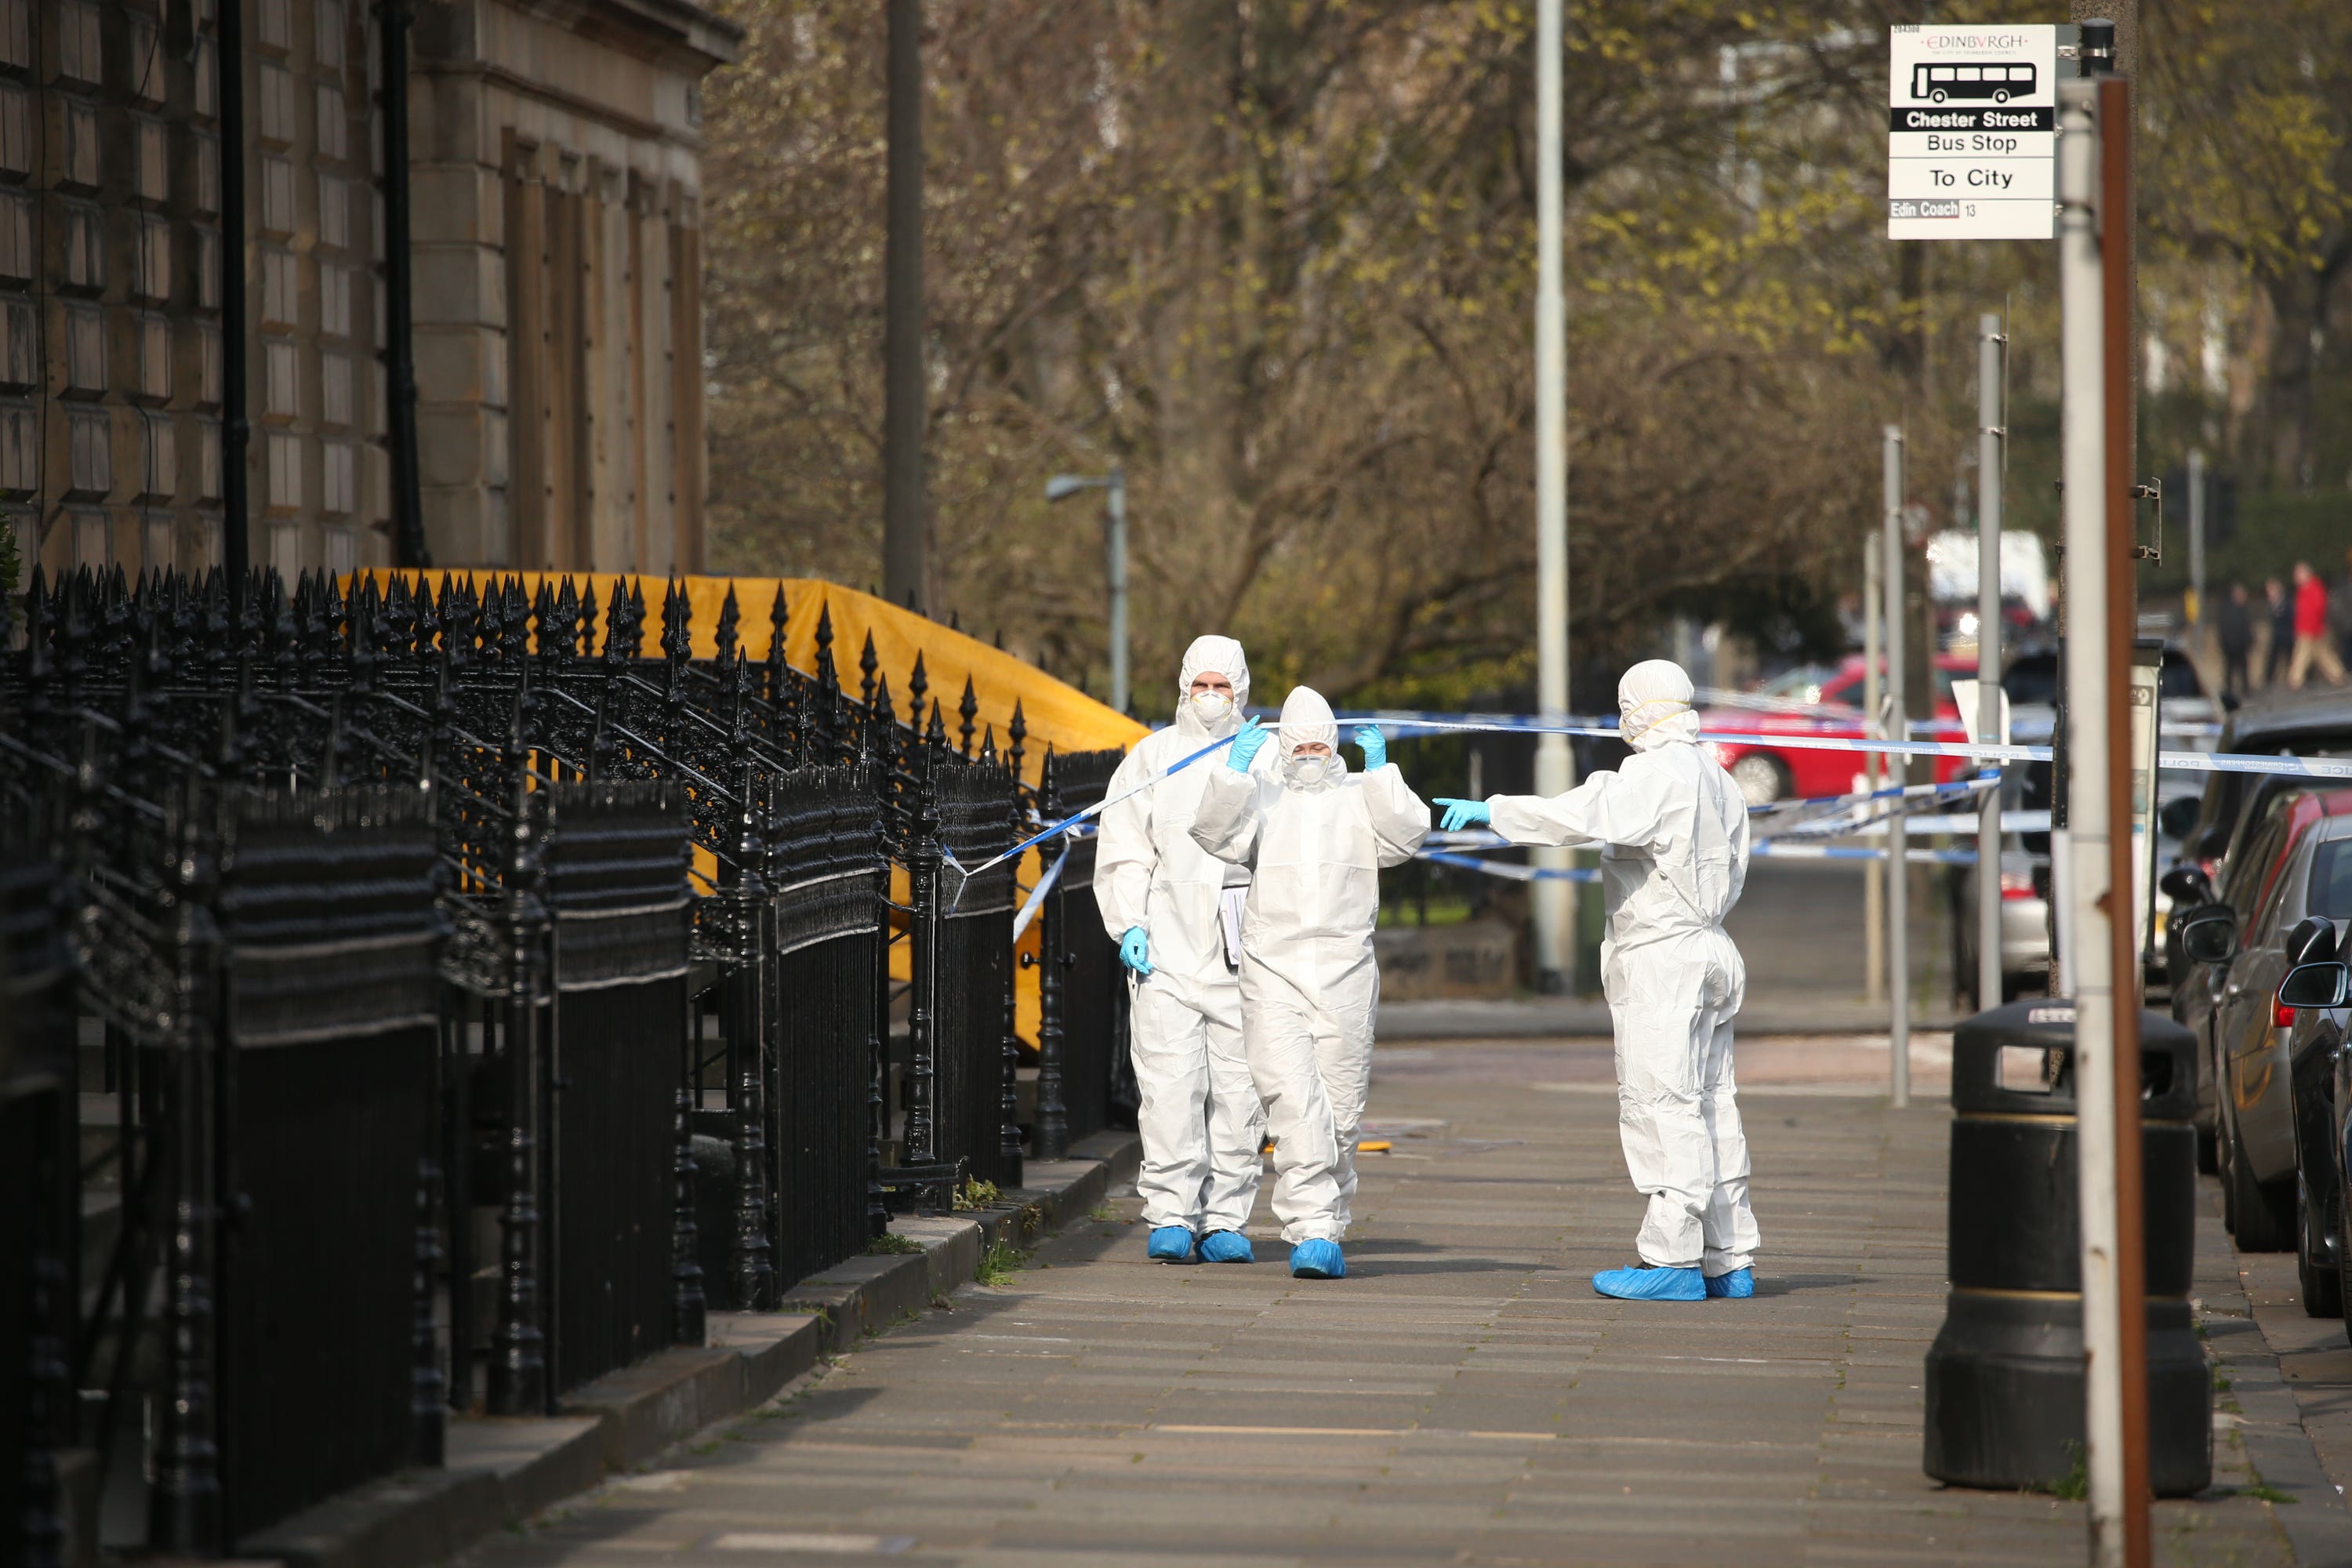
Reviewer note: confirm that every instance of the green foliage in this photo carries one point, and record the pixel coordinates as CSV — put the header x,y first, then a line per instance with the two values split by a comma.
x,y
891,1244
999,1264
976,1195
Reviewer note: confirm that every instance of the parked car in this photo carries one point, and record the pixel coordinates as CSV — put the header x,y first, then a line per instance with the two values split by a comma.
x,y
2310,724
2279,894
1820,700
2323,1092
2024,902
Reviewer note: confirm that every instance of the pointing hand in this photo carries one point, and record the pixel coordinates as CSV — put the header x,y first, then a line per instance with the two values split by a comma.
x,y
1461,814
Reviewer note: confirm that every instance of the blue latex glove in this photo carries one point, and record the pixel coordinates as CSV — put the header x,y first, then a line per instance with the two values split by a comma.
x,y
1375,745
1135,950
1461,814
1245,746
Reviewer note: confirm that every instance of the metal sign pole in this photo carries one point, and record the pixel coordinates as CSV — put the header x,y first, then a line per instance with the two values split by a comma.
x,y
1874,872
1992,438
1555,765
1898,880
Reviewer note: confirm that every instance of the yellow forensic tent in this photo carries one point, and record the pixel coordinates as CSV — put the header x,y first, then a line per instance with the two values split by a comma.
x,y
1056,714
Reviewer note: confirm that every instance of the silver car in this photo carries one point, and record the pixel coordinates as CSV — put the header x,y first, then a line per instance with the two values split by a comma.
x,y
2296,865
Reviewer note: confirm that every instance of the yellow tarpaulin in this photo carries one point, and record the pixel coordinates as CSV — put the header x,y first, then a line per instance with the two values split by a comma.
x,y
1056,713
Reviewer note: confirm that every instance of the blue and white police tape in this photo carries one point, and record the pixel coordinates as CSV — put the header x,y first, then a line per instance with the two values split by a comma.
x,y
2183,762
1512,872
1036,899
1074,819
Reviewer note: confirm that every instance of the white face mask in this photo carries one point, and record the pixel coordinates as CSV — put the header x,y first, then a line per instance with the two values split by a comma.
x,y
1212,706
1309,770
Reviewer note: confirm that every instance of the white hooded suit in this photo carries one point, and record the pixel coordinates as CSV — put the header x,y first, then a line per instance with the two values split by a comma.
x,y
1673,830
1309,984
1199,1115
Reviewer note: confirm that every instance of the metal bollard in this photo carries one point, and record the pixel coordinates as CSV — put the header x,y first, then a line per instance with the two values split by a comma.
x,y
2004,1382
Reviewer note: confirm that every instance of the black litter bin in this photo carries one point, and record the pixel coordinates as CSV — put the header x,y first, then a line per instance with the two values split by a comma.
x,y
2004,1380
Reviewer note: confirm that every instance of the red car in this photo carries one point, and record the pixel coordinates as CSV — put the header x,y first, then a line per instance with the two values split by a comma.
x,y
1819,700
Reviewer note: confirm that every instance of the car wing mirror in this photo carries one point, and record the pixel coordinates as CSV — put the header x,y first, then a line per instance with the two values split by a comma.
x,y
2186,885
2312,941
2316,986
2208,933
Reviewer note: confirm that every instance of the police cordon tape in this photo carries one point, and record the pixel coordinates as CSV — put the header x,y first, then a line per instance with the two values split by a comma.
x,y
1768,849
2184,762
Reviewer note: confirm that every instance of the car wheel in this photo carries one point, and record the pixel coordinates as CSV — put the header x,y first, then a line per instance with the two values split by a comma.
x,y
1761,779
2323,1286
2251,1211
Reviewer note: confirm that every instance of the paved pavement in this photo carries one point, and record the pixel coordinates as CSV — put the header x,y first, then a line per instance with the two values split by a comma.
x,y
1463,1397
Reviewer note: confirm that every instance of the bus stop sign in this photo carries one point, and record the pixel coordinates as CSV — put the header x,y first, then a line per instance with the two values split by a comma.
x,y
1972,133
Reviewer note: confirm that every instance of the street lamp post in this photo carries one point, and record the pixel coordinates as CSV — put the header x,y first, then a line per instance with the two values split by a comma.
x,y
1062,486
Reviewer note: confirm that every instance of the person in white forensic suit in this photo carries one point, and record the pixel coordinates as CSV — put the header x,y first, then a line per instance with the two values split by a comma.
x,y
1674,831
1315,838
1175,912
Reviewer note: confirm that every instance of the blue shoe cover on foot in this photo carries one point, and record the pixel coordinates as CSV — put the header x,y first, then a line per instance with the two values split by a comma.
x,y
1226,1246
1737,1286
1651,1284
1318,1260
1171,1243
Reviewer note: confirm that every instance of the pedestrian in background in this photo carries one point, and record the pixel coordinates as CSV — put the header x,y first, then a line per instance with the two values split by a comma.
x,y
2339,611
2311,632
2282,623
2233,627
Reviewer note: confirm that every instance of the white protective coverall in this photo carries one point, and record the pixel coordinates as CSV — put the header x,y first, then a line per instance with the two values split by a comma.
x,y
1309,984
1675,834
1198,1117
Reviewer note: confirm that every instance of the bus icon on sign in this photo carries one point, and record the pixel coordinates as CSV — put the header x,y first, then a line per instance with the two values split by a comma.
x,y
1999,83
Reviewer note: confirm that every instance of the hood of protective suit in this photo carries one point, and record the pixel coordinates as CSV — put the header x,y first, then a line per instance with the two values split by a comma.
x,y
1306,718
1654,705
1224,655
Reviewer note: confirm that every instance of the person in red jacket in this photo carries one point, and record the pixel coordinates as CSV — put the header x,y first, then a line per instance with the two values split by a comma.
x,y
2311,643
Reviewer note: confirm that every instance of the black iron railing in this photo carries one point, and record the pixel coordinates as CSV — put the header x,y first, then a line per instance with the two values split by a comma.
x,y
341,930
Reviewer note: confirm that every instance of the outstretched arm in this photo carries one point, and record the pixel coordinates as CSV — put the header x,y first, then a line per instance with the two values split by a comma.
x,y
1399,818
1607,808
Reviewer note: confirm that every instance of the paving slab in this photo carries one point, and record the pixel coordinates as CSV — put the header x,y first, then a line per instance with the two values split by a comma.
x,y
1463,1397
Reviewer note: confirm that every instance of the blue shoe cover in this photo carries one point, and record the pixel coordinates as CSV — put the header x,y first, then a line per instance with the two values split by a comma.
x,y
1651,1284
1737,1286
1318,1260
1171,1243
1226,1246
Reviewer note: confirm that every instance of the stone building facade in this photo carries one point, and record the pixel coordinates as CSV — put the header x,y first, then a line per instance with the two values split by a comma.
x,y
554,167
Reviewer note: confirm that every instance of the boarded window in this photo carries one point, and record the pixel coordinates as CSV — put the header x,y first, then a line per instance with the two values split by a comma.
x,y
16,34
281,379
159,457
277,197
208,270
335,387
334,123
284,472
20,449
146,59
154,282
334,211
154,359
208,364
208,460
17,236
327,16
16,130
153,175
286,549
82,166
20,345
340,476
92,442
85,350
85,241
273,25
276,105
80,51
334,299
207,155
280,302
